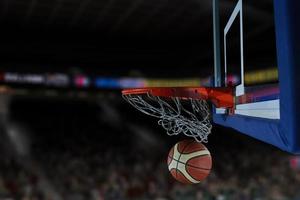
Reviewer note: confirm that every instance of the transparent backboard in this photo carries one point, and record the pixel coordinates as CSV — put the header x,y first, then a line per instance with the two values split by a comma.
x,y
253,98
260,45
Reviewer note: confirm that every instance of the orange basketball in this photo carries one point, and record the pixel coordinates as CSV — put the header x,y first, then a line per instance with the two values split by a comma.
x,y
189,162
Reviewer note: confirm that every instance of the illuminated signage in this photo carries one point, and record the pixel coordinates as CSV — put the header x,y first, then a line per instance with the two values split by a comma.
x,y
24,78
57,80
81,81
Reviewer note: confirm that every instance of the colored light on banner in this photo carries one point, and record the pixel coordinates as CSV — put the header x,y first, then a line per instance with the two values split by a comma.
x,y
57,80
261,76
233,79
172,82
115,83
24,78
132,83
81,81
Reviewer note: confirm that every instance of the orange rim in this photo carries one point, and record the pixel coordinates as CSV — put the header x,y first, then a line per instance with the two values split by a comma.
x,y
220,97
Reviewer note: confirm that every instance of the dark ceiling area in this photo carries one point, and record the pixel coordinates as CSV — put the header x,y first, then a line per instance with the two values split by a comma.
x,y
116,37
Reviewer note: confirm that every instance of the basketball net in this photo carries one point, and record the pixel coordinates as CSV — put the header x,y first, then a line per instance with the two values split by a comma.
x,y
187,116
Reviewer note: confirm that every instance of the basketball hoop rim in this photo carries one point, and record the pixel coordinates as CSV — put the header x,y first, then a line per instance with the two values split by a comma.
x,y
221,97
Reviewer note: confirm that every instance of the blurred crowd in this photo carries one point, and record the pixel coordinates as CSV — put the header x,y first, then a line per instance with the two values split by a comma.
x,y
78,159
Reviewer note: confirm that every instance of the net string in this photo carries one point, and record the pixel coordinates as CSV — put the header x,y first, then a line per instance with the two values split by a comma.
x,y
174,117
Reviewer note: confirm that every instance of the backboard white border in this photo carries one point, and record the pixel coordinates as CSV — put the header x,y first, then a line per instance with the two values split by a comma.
x,y
238,11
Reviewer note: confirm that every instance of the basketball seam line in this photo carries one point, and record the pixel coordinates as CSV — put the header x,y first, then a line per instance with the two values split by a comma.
x,y
189,153
190,165
180,154
191,174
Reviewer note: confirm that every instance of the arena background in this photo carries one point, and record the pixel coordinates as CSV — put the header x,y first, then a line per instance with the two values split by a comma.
x,y
66,132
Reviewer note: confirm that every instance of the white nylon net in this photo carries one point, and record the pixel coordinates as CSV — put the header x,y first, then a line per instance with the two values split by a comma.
x,y
188,116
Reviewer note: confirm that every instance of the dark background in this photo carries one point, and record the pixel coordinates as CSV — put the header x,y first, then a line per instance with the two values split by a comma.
x,y
79,145
159,38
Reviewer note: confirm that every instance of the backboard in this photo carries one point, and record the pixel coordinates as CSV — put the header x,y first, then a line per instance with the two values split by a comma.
x,y
267,111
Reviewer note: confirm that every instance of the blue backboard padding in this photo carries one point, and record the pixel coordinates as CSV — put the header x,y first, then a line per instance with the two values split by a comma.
x,y
266,130
283,133
266,93
266,98
288,57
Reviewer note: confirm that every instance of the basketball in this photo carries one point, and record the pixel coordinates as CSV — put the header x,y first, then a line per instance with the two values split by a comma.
x,y
189,162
